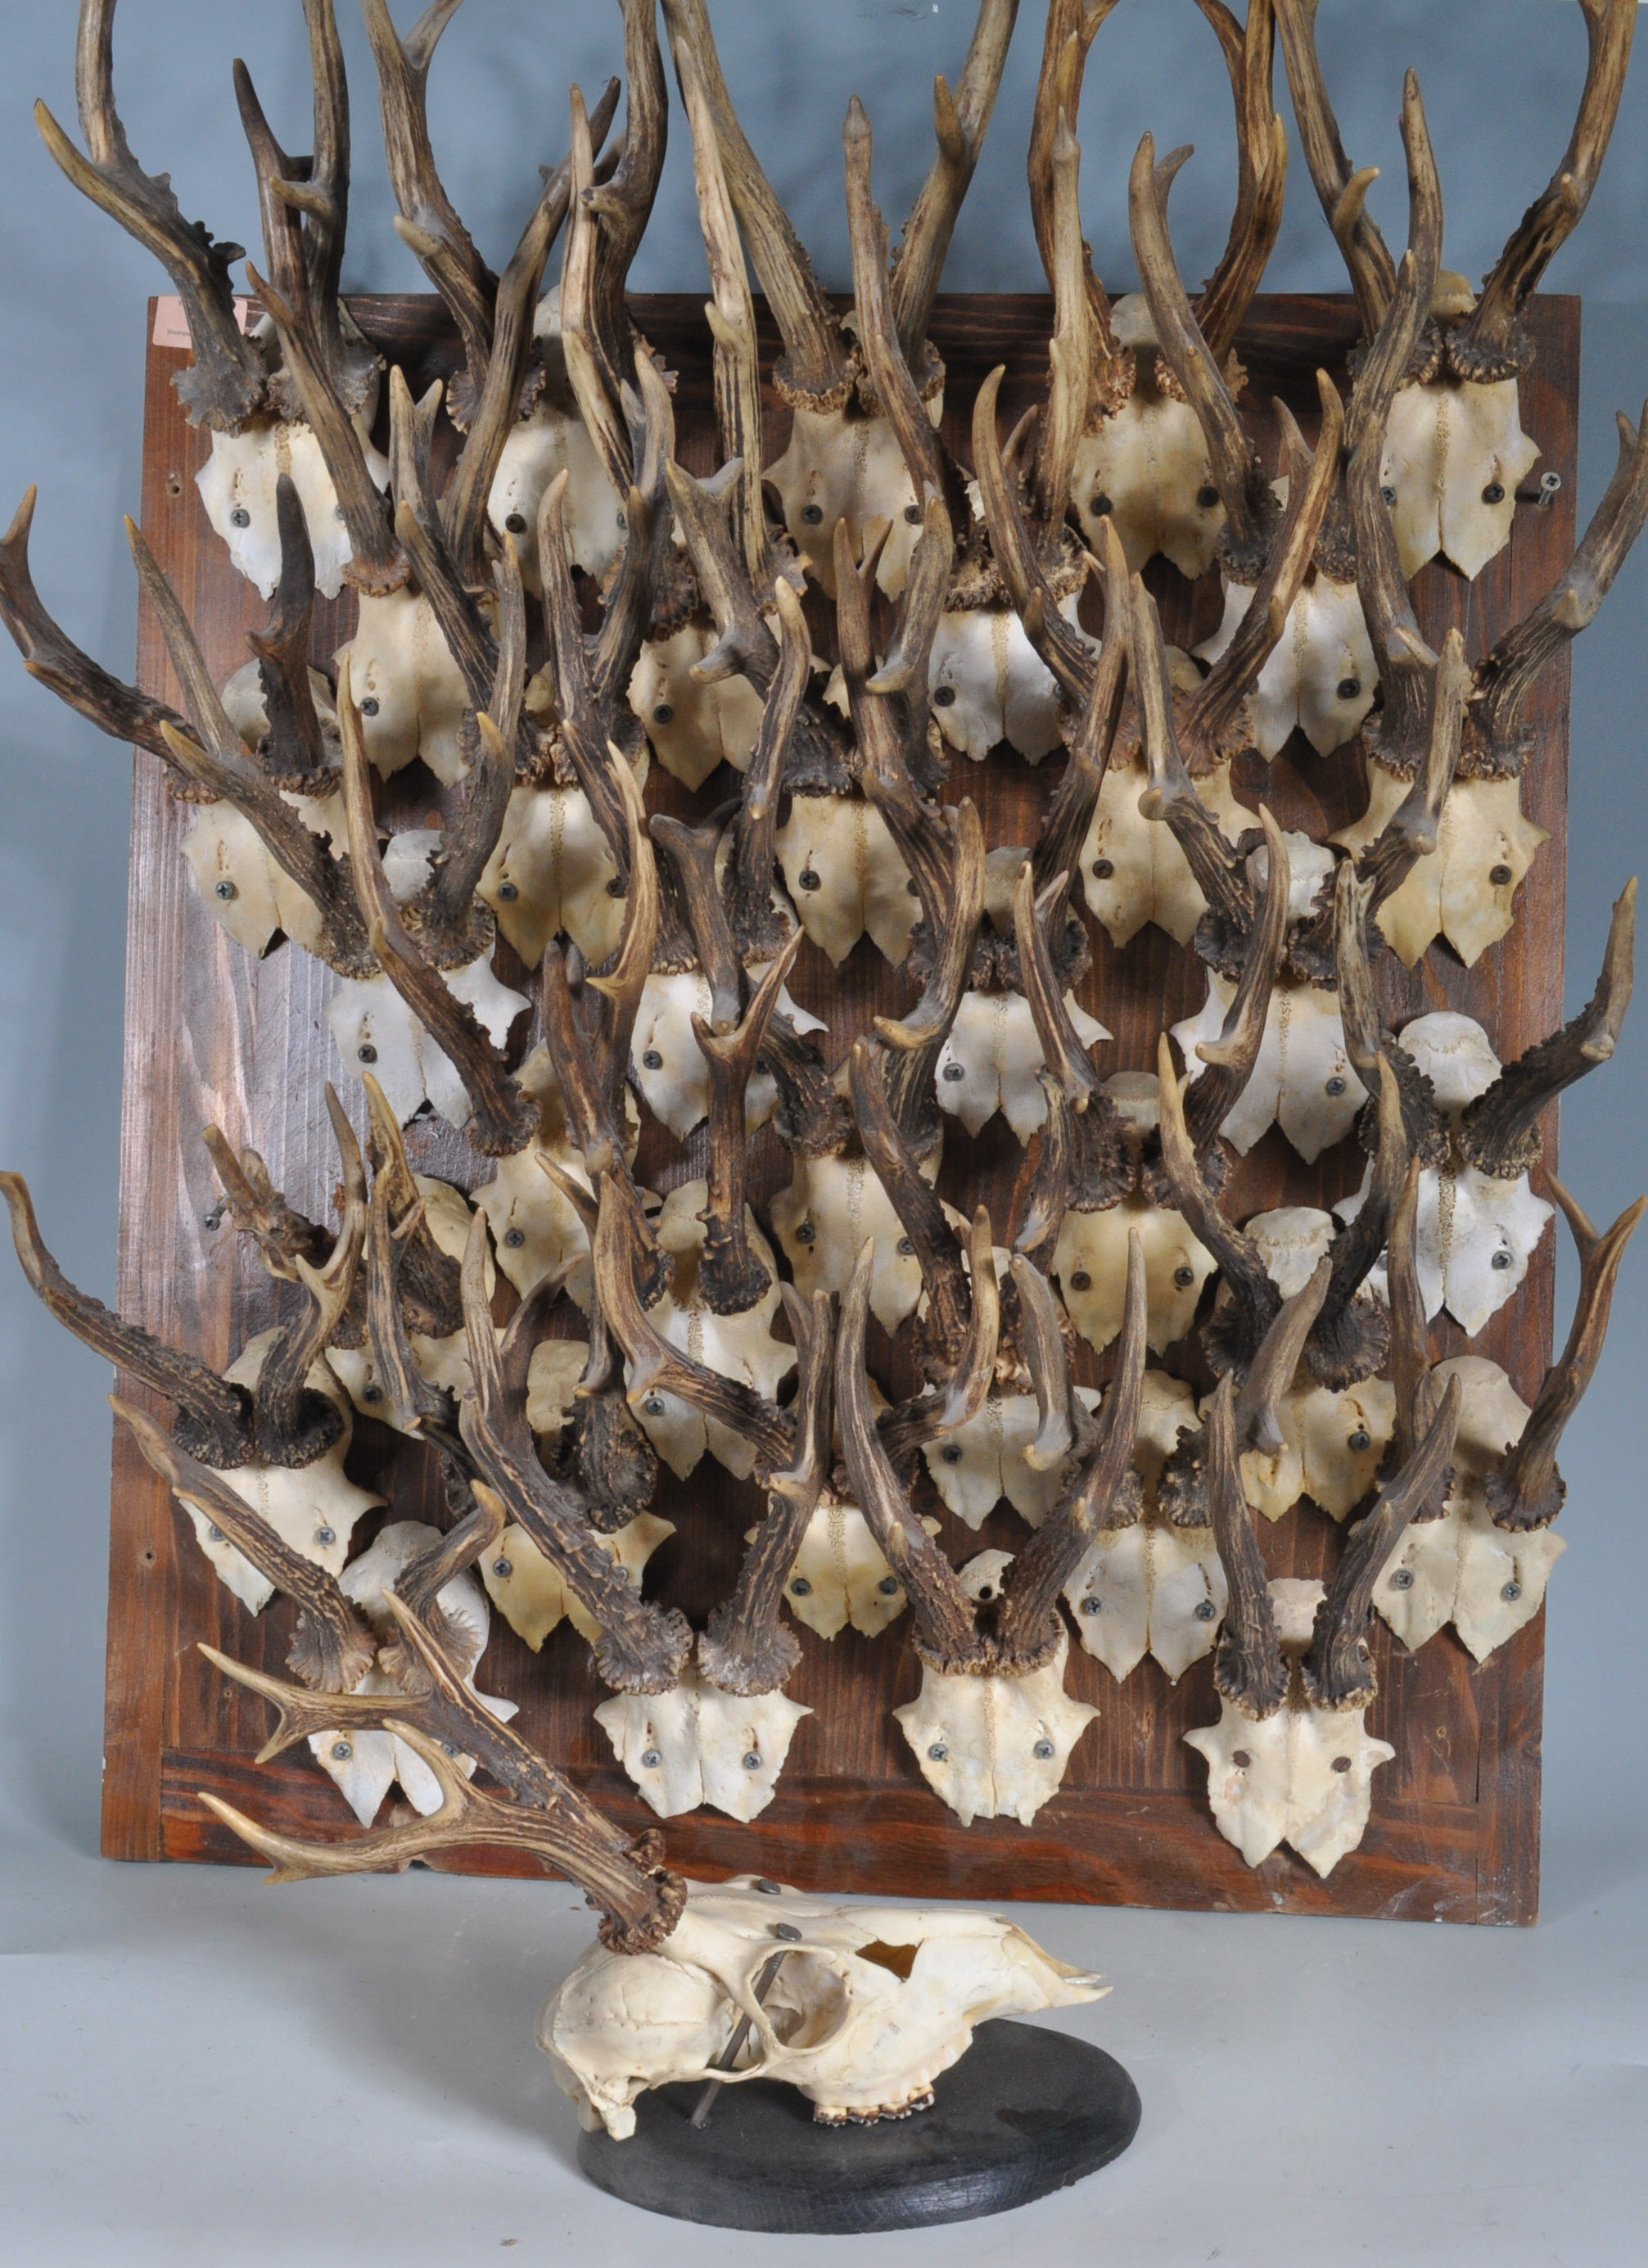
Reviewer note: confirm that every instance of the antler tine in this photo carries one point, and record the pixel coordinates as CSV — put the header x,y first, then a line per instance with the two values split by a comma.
x,y
745,646
641,1648
595,373
640,1903
960,121
749,872
1250,509
1071,27
1062,1423
1367,1042
332,1649
1243,1272
888,369
227,380
293,751
1505,678
622,205
692,853
1392,625
1214,707
446,905
1337,1671
620,988
816,367
1412,829
1069,350
1491,342
1373,271
301,1714
1412,1379
215,758
1272,1370
1499,1132
1062,1051
488,419
944,1630
620,1247
1172,797
1352,1336
733,1279
1076,798
1229,1059
295,1425
1261,171
583,733
259,1210
627,609
746,1646
427,222
962,1394
916,1040
1097,1497
1248,1670
411,1404
1048,1183
53,657
912,1197
1013,547
213,1416
505,1119
1527,1490
920,607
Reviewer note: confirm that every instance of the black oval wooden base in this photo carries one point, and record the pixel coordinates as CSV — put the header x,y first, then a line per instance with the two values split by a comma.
x,y
1024,2111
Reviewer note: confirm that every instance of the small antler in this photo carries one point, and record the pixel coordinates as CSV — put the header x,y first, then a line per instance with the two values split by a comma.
x,y
1248,1670
1527,1490
1261,171
1343,193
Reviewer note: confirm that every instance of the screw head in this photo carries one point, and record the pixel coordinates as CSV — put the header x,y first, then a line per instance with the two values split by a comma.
x,y
342,1752
1511,1592
889,1587
651,1759
1401,1579
664,713
654,1405
906,1249
651,1060
324,1536
372,1392
240,517
1099,504
1499,875
1359,1441
1341,1764
953,1072
1336,1086
516,522
912,513
937,1752
806,1233
1240,1758
1501,1260
215,1535
367,1054
1044,1750
808,880
1349,688
944,696
769,1890
1103,868
788,1930
1091,1606
1206,496
369,706
801,1587
1387,495
812,515
1184,1277
751,1763
226,890
503,1569
950,1453
514,1238
1494,493
509,892
1550,481
1081,1281
1205,1611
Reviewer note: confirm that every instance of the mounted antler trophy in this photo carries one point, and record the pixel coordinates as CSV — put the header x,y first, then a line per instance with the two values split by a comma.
x,y
857,1234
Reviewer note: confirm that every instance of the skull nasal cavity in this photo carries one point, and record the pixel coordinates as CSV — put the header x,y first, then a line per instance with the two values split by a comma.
x,y
901,1959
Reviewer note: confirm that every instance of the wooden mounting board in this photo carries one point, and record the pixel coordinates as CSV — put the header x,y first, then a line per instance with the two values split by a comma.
x,y
211,1034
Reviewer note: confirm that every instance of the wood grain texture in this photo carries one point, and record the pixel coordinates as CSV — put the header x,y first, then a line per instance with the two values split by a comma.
x,y
212,1035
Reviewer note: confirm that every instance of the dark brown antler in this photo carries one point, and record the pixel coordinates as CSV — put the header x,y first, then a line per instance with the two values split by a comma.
x,y
1499,1132
746,1648
1096,1491
1250,508
1219,868
1337,1670
293,750
960,121
1498,742
1254,1298
1248,1670
1490,343
1352,1334
1412,830
1343,193
1071,28
1261,171
226,381
1229,1059
733,1279
942,1617
1527,1490
1367,1041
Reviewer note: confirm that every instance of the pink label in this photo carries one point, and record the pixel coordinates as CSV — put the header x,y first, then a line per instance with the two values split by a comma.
x,y
170,324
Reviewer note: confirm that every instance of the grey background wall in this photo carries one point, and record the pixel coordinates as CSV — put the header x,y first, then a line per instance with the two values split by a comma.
x,y
1499,78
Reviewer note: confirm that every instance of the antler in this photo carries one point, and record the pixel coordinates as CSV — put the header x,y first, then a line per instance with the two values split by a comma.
x,y
960,121
1248,1670
1071,27
1527,1490
1490,343
1261,171
1253,1294
227,380
1337,1670
1498,1133
1343,193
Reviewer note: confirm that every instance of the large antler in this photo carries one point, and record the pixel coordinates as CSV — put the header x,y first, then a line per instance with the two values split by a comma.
x,y
1343,193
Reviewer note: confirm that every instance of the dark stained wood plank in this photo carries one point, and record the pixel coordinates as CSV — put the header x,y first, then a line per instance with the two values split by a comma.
x,y
210,1035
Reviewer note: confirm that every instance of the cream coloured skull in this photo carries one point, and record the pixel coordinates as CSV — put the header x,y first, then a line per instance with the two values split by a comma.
x,y
840,464
692,727
839,1575
1132,869
1455,454
987,684
527,1590
1302,1079
1302,1776
410,692
669,1062
822,1220
867,2007
552,438
995,1746
375,1030
1487,1581
1321,676
975,1465
992,1058
698,1745
238,484
1465,889
1090,1263
553,870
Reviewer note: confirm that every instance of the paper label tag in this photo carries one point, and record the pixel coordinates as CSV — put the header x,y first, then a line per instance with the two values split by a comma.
x,y
170,324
